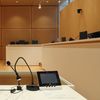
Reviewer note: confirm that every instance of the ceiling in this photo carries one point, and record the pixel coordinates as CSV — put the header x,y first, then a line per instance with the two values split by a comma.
x,y
30,2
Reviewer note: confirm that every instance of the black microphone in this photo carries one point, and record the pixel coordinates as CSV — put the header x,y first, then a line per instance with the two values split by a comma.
x,y
18,78
31,87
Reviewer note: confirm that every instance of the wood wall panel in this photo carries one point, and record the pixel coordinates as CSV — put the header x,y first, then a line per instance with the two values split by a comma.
x,y
0,17
13,2
91,17
9,35
44,18
7,79
0,52
0,37
44,35
72,22
3,51
69,21
16,17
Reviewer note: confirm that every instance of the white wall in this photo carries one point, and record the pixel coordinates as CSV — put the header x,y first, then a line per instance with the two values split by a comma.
x,y
79,65
32,54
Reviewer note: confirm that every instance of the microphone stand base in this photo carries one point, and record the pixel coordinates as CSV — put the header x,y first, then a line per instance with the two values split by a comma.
x,y
19,88
32,87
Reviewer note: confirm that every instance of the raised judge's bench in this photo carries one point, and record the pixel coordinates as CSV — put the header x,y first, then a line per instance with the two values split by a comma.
x,y
34,54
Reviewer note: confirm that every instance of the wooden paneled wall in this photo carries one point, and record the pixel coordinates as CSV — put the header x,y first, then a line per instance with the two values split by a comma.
x,y
27,23
71,22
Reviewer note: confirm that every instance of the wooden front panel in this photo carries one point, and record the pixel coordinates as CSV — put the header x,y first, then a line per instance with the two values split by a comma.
x,y
10,79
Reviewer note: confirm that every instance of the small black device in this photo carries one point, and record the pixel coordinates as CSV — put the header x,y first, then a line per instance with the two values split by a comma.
x,y
94,34
32,87
83,35
48,78
79,11
63,39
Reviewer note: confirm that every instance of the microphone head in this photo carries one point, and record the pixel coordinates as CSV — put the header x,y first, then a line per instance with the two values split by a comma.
x,y
8,63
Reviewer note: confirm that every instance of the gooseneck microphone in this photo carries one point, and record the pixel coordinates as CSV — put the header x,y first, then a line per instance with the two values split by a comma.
x,y
31,87
18,78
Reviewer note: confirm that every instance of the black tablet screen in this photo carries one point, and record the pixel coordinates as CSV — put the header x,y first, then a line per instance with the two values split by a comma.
x,y
48,78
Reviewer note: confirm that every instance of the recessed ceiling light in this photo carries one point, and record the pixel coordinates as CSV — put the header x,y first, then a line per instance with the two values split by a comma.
x,y
59,1
39,7
17,1
47,1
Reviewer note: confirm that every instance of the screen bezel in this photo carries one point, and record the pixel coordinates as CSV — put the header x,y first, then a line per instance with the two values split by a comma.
x,y
48,72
